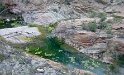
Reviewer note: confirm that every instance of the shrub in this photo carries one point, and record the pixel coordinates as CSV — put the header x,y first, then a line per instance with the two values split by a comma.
x,y
2,7
93,14
102,25
109,29
2,57
51,27
102,16
102,1
92,26
84,27
117,20
9,24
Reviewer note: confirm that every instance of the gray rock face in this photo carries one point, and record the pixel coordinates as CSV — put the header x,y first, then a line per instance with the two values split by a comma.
x,y
50,11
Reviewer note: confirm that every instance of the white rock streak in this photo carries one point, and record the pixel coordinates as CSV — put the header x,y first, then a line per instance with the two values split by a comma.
x,y
19,34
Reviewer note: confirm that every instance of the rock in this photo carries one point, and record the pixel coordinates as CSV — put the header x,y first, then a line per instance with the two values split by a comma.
x,y
118,30
118,26
15,11
40,70
87,42
96,51
20,34
84,38
36,2
119,42
41,18
107,59
121,15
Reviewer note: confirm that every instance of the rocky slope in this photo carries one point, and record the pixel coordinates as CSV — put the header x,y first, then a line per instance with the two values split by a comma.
x,y
49,11
76,21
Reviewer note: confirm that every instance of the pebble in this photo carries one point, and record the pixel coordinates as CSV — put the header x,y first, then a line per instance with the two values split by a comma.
x,y
40,70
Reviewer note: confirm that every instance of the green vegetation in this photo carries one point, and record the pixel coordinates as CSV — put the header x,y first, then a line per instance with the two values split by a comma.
x,y
50,47
54,49
2,7
45,29
121,59
6,23
92,26
102,1
93,14
103,16
89,63
47,46
113,69
51,27
12,21
109,29
117,19
102,25
1,57
87,74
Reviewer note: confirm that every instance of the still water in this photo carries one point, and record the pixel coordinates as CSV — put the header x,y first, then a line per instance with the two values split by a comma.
x,y
56,50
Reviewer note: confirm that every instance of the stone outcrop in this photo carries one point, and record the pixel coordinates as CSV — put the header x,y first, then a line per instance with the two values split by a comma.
x,y
84,38
19,34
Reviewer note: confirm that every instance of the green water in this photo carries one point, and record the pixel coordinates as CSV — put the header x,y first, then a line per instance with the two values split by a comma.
x,y
54,49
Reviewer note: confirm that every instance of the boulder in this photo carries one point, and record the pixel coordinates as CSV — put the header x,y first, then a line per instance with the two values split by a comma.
x,y
19,34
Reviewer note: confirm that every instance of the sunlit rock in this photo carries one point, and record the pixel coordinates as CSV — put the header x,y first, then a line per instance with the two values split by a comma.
x,y
20,34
